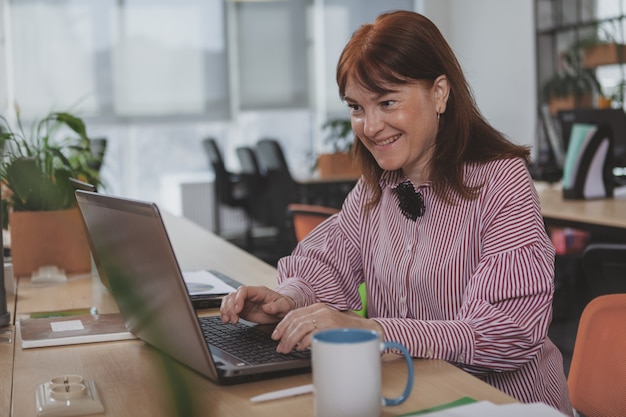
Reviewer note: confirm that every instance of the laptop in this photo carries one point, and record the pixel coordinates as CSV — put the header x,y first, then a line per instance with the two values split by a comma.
x,y
201,297
134,251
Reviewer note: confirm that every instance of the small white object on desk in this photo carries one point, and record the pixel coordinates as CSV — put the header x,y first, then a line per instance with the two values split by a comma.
x,y
70,398
48,275
9,278
283,393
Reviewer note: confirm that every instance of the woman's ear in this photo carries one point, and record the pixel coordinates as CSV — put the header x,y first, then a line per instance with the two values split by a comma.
x,y
441,89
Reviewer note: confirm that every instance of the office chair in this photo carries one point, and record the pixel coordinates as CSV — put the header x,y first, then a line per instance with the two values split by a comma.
x,y
597,376
604,266
271,156
228,188
281,191
305,218
248,161
257,203
251,175
98,149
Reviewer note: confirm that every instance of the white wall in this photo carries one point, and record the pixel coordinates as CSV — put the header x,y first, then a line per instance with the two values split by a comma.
x,y
495,42
3,63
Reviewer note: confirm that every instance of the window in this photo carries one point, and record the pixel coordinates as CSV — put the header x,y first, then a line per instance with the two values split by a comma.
x,y
121,58
272,54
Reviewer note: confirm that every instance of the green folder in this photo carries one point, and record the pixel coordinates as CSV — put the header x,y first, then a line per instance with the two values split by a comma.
x,y
455,403
577,140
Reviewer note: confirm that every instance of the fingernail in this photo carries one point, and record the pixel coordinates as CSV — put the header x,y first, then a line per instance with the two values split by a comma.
x,y
275,334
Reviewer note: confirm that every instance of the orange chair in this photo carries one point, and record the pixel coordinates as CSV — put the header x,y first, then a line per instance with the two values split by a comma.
x,y
305,218
597,376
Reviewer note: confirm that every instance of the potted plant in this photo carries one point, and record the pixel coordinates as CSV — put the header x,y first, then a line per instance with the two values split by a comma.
x,y
603,47
616,94
608,52
339,162
573,86
35,170
599,49
568,90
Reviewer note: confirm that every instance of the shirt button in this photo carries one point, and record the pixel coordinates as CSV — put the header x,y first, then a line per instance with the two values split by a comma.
x,y
429,353
461,358
409,247
402,300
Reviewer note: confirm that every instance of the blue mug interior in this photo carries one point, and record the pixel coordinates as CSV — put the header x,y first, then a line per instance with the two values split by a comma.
x,y
345,336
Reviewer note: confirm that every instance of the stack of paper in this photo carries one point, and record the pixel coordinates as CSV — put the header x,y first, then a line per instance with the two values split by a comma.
x,y
488,409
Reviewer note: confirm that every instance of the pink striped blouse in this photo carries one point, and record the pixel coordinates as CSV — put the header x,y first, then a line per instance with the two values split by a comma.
x,y
470,283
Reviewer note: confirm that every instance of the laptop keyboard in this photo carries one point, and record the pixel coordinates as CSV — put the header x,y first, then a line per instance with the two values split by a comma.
x,y
247,343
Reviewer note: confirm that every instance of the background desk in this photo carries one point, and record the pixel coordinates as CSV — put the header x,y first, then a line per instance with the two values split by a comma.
x,y
129,375
602,216
330,192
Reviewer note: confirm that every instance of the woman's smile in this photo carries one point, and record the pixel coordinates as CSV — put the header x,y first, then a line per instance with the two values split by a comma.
x,y
387,141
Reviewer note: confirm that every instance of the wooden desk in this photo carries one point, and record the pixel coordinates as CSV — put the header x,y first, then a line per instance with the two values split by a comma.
x,y
7,345
606,216
129,375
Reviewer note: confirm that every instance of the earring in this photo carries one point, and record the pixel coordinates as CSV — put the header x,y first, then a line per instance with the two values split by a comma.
x,y
438,115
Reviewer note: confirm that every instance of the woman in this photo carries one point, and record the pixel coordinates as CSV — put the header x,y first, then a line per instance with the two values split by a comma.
x,y
444,227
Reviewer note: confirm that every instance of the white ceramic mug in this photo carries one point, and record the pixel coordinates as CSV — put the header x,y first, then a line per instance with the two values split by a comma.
x,y
346,365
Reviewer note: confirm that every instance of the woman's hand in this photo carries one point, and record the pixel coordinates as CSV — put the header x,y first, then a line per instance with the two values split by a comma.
x,y
296,329
256,304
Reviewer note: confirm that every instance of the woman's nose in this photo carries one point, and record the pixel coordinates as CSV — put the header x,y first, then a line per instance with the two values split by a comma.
x,y
372,124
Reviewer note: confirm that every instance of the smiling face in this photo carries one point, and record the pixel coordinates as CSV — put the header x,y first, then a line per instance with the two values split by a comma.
x,y
399,127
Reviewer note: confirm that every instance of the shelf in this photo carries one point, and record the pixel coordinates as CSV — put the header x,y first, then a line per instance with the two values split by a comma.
x,y
605,54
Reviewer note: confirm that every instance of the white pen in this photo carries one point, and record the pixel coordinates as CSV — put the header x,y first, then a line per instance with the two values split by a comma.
x,y
283,393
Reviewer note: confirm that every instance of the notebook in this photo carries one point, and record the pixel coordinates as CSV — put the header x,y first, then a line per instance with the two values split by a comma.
x,y
134,250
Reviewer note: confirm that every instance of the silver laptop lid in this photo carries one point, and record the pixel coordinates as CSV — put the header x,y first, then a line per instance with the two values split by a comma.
x,y
135,252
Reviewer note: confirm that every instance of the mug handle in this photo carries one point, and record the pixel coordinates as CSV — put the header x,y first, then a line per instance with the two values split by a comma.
x,y
409,382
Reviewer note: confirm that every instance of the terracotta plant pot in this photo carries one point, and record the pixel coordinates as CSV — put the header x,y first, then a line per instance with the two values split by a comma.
x,y
337,165
569,103
44,238
604,103
604,54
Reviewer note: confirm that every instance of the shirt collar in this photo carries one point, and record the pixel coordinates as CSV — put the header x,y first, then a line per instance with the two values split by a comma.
x,y
391,179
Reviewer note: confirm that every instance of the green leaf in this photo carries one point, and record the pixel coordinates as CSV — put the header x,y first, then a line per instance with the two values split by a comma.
x,y
74,123
37,168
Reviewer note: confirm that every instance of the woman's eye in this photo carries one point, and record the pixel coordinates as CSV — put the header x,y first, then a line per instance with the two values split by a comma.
x,y
354,107
387,103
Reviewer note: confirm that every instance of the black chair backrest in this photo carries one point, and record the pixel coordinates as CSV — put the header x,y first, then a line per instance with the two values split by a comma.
x,y
282,189
272,157
98,149
259,204
248,161
215,155
223,178
605,268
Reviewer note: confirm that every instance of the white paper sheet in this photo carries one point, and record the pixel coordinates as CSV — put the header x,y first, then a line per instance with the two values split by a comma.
x,y
488,409
204,282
